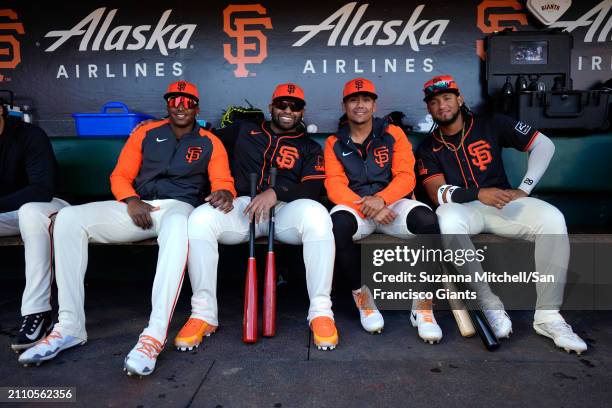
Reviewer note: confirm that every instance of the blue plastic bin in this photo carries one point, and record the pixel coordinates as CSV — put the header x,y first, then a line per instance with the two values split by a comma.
x,y
108,124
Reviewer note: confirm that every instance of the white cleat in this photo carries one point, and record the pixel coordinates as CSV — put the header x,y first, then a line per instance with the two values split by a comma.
x,y
142,358
48,348
369,316
499,321
422,317
562,334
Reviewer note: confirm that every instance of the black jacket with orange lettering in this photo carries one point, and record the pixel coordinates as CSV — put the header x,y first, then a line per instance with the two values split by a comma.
x,y
387,171
155,165
255,148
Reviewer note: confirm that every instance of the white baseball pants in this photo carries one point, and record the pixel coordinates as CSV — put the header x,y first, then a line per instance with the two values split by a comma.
x,y
398,228
109,222
33,222
301,221
525,218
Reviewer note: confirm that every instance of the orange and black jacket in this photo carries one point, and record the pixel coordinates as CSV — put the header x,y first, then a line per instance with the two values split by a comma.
x,y
255,148
386,170
155,165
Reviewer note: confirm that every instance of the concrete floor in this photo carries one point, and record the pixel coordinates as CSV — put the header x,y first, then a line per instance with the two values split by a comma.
x,y
392,369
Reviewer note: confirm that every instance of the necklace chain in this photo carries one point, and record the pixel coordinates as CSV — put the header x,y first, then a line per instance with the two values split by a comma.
x,y
450,146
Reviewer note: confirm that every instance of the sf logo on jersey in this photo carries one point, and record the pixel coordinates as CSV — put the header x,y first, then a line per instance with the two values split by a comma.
x,y
481,154
193,154
381,156
287,157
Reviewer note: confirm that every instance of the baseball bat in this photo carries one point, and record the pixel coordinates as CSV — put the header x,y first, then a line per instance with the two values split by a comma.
x,y
269,302
484,330
249,322
460,313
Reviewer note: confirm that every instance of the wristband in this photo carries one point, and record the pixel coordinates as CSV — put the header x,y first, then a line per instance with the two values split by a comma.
x,y
453,194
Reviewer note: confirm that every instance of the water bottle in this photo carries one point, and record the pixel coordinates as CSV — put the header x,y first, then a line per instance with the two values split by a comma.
x,y
521,84
507,95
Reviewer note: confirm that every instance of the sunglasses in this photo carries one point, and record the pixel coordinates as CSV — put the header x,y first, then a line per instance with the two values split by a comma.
x,y
187,102
439,85
295,106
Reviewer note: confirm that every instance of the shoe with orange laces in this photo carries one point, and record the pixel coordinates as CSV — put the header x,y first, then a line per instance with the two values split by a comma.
x,y
141,360
423,318
192,333
48,348
324,332
371,319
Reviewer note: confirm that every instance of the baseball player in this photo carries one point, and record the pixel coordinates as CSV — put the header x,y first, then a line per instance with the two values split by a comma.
x,y
460,165
369,168
159,179
281,143
27,187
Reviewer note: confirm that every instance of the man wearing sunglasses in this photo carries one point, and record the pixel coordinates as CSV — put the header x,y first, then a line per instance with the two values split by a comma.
x,y
369,167
162,173
256,148
460,165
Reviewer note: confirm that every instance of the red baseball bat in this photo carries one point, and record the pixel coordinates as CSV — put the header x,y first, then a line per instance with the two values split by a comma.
x,y
249,321
269,302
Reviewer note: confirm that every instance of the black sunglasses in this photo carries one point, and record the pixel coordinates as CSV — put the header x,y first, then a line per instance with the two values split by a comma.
x,y
295,106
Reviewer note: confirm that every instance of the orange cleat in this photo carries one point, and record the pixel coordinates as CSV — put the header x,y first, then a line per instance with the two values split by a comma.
x,y
324,332
192,333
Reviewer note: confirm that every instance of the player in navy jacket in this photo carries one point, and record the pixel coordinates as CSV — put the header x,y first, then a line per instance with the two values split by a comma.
x,y
460,165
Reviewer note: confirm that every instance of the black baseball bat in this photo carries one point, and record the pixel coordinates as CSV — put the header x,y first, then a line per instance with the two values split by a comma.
x,y
484,330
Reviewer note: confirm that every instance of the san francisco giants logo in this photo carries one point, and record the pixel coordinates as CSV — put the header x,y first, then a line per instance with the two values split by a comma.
x,y
481,154
193,154
181,86
287,157
290,89
359,84
381,156
241,34
320,164
13,45
489,22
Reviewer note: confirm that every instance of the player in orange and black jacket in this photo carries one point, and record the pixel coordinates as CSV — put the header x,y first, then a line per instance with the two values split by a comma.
x,y
161,175
255,148
369,167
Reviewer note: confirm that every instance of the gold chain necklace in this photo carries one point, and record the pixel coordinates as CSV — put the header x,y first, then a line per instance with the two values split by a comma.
x,y
451,147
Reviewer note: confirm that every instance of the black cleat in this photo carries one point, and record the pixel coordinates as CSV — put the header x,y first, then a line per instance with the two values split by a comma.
x,y
34,328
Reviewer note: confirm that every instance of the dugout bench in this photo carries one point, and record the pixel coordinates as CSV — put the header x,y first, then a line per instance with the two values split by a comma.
x,y
577,181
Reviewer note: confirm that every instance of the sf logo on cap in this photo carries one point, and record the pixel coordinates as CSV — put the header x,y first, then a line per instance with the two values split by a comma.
x,y
290,89
181,86
358,84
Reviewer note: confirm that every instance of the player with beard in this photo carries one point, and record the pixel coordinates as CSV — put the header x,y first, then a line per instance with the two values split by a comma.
x,y
460,165
256,148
